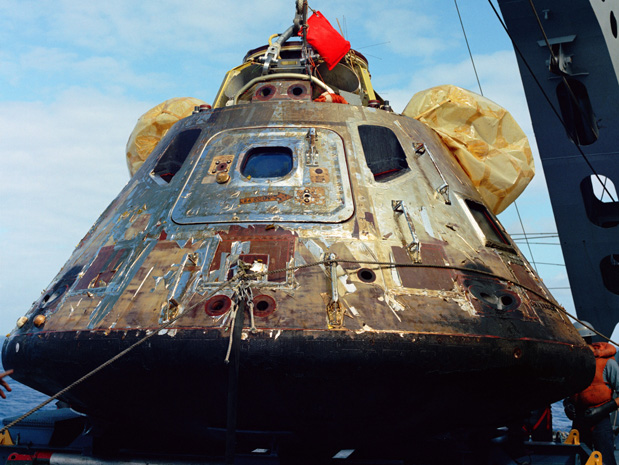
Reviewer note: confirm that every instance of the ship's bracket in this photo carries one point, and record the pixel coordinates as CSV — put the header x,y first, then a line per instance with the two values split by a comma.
x,y
560,60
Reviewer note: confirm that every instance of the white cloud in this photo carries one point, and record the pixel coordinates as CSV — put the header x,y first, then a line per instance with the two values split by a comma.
x,y
63,163
408,32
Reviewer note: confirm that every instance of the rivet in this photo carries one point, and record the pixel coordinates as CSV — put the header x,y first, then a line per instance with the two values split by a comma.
x,y
39,320
223,178
517,353
22,321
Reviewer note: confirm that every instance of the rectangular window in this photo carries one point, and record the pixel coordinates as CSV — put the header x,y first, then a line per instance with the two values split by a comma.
x,y
175,154
383,152
488,225
267,162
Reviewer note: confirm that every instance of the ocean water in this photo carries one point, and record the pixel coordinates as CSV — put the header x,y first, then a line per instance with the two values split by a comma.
x,y
21,398
559,421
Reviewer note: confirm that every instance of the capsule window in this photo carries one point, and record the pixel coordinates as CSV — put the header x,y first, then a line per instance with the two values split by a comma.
x,y
175,154
62,286
267,162
609,266
600,199
488,225
383,152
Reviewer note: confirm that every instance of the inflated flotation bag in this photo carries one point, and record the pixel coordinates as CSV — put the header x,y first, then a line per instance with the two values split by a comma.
x,y
483,137
153,125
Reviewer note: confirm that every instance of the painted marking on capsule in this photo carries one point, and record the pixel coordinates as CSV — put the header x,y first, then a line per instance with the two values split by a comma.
x,y
280,197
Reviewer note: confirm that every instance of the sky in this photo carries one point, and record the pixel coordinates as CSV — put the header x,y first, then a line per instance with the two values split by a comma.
x,y
75,76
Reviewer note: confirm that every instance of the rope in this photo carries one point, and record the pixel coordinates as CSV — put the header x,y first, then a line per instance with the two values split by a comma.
x,y
584,323
468,47
243,278
482,93
271,37
243,293
410,265
455,268
107,363
236,330
572,95
526,239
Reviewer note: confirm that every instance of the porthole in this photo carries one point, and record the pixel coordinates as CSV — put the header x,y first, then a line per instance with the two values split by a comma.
x,y
600,200
604,188
264,305
217,305
366,275
267,162
265,92
495,235
297,91
613,24
383,152
578,116
59,289
495,297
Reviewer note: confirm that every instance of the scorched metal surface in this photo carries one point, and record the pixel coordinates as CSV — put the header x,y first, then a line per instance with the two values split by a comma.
x,y
387,299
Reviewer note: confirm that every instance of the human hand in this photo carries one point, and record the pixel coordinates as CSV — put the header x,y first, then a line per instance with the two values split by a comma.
x,y
4,384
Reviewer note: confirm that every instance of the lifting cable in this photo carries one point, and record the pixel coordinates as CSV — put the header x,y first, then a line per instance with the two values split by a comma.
x,y
105,364
243,277
468,47
555,60
539,85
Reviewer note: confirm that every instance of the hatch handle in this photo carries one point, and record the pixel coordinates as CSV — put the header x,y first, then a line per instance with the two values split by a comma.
x,y
443,189
414,248
311,157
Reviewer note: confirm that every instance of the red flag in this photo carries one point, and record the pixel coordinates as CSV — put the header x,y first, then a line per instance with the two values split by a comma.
x,y
326,40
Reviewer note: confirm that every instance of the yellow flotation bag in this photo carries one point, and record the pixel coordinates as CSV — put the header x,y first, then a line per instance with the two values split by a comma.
x,y
484,138
153,125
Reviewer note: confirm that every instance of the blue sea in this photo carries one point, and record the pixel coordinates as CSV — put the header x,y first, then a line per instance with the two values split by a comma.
x,y
23,398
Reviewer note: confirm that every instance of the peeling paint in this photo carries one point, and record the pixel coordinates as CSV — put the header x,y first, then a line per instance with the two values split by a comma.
x,y
364,329
425,220
345,287
353,310
394,272
157,272
314,249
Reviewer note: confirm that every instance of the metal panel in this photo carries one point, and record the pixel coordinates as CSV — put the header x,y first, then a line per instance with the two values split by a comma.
x,y
317,189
